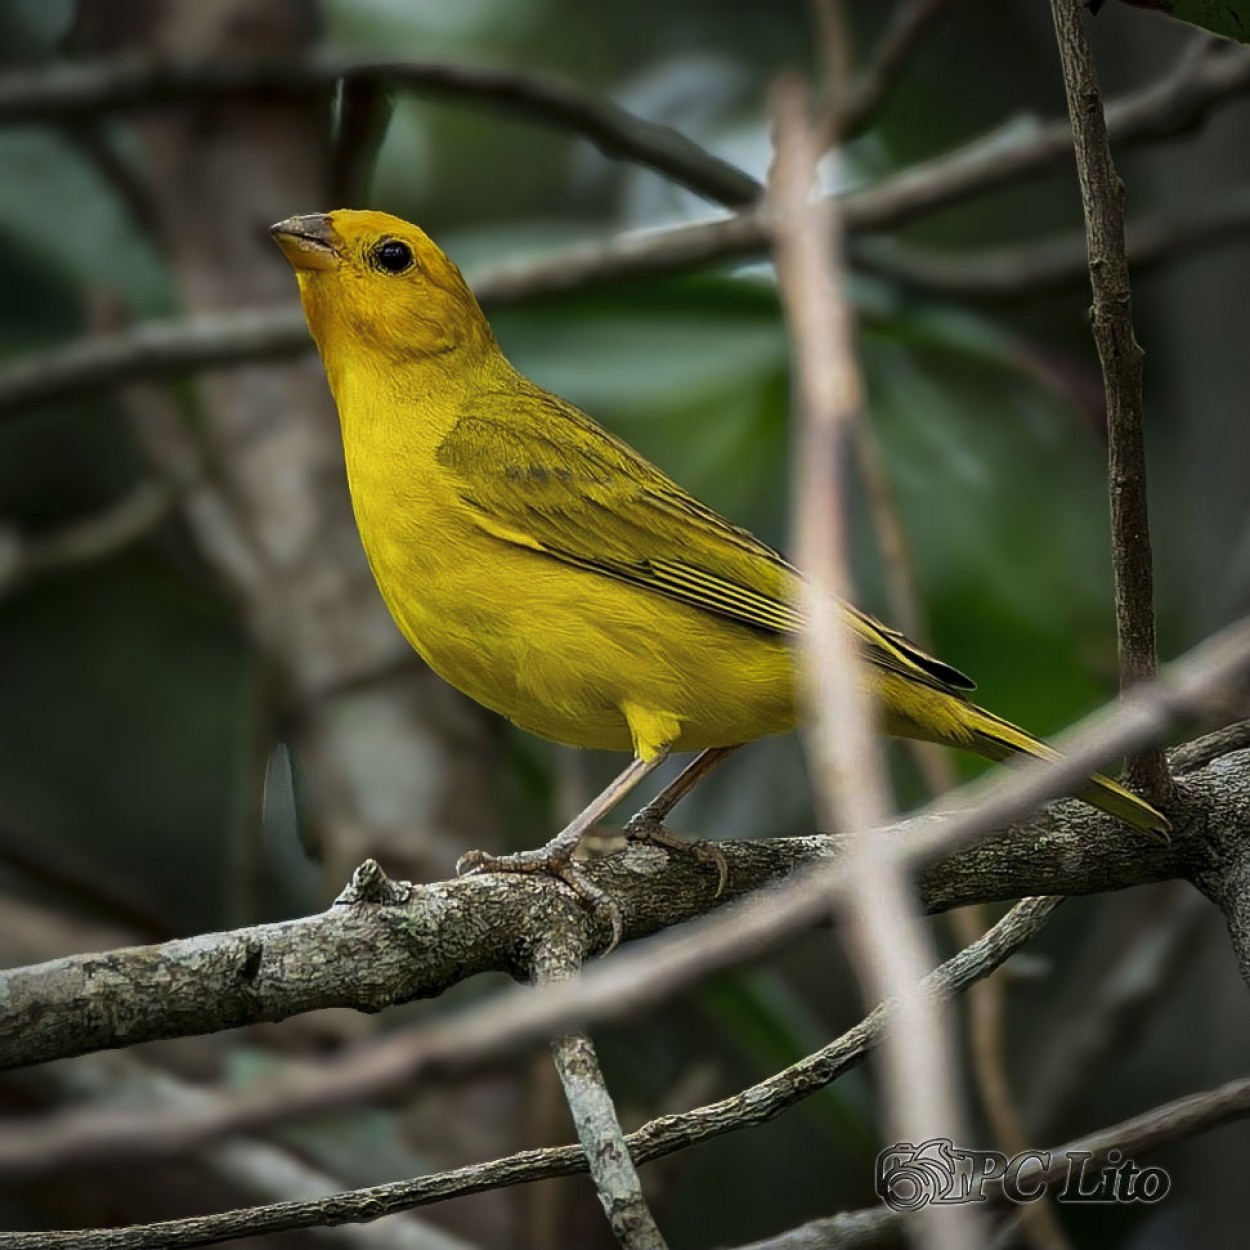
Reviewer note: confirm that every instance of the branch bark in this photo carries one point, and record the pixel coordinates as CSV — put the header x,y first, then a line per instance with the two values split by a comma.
x,y
1160,1126
557,958
750,1107
1102,195
71,91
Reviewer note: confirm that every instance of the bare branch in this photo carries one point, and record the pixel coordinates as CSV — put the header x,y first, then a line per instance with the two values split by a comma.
x,y
633,979
1020,271
95,887
1202,80
557,958
111,530
910,24
71,90
1198,754
1102,194
886,936
252,1168
1172,1122
1206,75
757,1105
158,349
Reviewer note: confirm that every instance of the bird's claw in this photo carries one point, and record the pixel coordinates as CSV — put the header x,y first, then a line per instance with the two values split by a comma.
x,y
646,828
558,864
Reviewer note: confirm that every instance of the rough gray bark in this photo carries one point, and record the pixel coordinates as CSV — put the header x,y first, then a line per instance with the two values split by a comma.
x,y
383,943
756,1105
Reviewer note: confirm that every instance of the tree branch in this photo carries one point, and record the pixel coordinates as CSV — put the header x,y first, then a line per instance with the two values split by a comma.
x,y
1203,79
1102,194
756,1105
252,1168
910,24
1172,1122
1019,271
557,958
116,527
1210,848
68,91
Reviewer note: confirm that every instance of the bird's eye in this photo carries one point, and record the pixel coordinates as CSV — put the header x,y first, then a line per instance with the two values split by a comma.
x,y
393,256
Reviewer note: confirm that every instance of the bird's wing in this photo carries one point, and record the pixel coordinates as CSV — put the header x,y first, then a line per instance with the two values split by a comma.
x,y
539,473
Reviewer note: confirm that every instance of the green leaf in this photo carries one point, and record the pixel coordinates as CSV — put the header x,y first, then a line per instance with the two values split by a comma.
x,y
1229,18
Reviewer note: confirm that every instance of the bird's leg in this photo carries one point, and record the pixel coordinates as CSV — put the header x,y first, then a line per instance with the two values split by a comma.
x,y
648,824
556,858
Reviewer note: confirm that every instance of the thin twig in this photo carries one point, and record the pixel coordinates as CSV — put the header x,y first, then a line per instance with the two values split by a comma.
x,y
250,1167
635,978
557,957
1117,990
1021,271
1172,1122
1206,74
756,1105
1102,194
93,887
886,937
986,1001
71,90
113,529
1200,81
1191,756
910,24
632,979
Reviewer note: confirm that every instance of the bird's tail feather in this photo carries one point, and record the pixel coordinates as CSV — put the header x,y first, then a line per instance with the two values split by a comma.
x,y
997,739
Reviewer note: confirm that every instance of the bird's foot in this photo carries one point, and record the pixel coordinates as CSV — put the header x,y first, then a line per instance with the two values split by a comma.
x,y
646,827
555,860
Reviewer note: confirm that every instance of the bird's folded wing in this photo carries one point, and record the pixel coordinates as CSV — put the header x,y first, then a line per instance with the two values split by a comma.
x,y
539,473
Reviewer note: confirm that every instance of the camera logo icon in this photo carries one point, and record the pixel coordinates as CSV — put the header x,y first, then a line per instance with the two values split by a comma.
x,y
909,1177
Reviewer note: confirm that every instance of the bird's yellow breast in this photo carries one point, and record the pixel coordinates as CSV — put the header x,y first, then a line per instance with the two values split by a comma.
x,y
566,653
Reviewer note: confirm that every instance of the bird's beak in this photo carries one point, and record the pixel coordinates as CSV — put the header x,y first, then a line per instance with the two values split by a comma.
x,y
308,242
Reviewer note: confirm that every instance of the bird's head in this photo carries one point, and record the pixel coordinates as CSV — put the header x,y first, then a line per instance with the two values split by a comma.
x,y
375,285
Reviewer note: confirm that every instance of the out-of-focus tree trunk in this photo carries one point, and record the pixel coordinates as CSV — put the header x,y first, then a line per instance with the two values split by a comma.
x,y
399,768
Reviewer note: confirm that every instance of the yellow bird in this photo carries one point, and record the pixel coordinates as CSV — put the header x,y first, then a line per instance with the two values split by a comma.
x,y
547,570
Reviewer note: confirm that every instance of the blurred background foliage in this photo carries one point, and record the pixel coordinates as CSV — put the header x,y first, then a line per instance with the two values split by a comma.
x,y
137,735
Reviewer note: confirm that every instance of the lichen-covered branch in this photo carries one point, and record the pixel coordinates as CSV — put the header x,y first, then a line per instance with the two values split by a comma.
x,y
1210,849
556,958
371,950
748,1108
